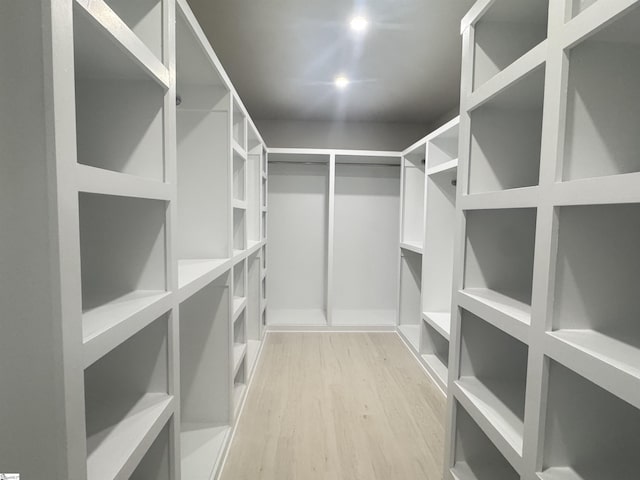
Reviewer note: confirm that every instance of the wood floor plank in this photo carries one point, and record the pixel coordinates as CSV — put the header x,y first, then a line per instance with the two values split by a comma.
x,y
338,406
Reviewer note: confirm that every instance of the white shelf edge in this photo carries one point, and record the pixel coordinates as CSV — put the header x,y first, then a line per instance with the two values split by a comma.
x,y
237,148
411,246
437,369
438,322
487,425
611,189
146,425
499,310
122,320
207,270
239,304
128,41
443,167
239,354
508,77
239,204
106,182
220,441
597,368
525,197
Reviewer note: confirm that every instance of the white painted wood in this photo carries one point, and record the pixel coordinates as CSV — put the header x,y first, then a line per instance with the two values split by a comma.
x,y
365,244
574,381
298,232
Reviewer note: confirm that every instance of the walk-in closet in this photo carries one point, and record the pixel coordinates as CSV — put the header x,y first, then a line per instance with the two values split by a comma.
x,y
287,240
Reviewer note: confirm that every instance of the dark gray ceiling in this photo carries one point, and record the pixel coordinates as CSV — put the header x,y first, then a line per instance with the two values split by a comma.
x,y
282,56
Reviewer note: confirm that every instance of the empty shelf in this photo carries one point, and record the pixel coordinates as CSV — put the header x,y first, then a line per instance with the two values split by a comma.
x,y
412,246
619,353
239,352
253,348
108,325
239,303
443,167
440,321
106,182
195,274
411,333
201,445
462,471
497,309
437,368
239,390
492,406
115,451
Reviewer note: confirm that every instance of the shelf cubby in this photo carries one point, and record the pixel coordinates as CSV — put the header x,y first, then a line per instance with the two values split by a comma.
x,y
239,280
579,6
506,134
254,206
439,240
590,434
127,402
157,462
239,340
507,31
239,177
409,313
239,386
239,126
493,373
603,114
475,456
596,312
413,197
144,18
119,106
499,259
202,131
204,378
122,252
443,148
434,349
254,297
239,230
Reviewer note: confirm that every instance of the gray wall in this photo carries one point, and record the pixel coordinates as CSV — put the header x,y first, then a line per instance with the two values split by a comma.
x,y
346,135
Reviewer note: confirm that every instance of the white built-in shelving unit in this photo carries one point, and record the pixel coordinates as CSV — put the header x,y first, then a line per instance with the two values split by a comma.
x,y
333,229
430,169
543,365
151,269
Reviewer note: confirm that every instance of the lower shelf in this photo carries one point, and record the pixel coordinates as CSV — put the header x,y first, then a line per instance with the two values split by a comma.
x,y
311,317
239,389
114,452
437,368
492,400
441,321
201,446
253,348
363,318
462,471
412,334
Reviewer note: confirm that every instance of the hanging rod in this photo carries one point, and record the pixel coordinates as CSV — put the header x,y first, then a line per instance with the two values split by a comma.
x,y
337,163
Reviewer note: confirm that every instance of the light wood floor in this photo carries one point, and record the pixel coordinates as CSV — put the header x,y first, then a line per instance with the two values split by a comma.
x,y
332,406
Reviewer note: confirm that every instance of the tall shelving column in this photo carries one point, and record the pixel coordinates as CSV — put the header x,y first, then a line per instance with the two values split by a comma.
x,y
543,372
441,174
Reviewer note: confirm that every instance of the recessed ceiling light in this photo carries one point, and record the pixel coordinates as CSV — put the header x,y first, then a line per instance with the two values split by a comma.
x,y
359,24
341,82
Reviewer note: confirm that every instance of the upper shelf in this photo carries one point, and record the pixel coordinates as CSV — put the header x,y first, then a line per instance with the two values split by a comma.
x,y
506,31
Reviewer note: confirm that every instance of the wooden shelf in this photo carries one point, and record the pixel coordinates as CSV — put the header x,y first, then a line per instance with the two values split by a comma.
x,y
476,458
202,446
239,304
115,450
103,42
502,311
193,274
415,247
239,353
440,321
108,325
506,134
506,31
